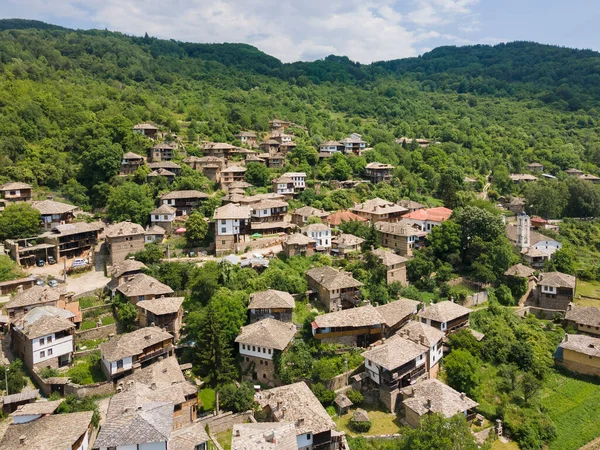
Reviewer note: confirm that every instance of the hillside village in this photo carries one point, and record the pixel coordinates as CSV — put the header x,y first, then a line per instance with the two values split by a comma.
x,y
205,248
354,300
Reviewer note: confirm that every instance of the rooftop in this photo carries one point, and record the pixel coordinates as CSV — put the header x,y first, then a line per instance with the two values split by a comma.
x,y
161,306
309,211
557,280
519,270
47,207
580,343
398,229
233,211
584,315
69,229
330,278
421,333
132,344
298,239
388,258
268,333
14,185
45,320
164,210
123,229
315,227
379,206
264,436
183,194
161,173
438,214
131,155
145,126
142,284
129,265
378,166
444,311
163,165
394,353
189,437
433,396
39,407
35,295
335,219
233,169
271,298
347,240
397,311
363,316
295,403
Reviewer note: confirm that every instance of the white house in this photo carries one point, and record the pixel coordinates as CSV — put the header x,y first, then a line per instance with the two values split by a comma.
x,y
331,147
284,185
320,233
163,216
299,179
232,224
428,336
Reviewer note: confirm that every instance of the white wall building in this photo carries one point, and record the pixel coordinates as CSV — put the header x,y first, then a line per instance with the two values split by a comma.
x,y
320,233
299,179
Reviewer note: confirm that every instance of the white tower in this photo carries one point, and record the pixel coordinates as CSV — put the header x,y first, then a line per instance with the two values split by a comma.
x,y
523,231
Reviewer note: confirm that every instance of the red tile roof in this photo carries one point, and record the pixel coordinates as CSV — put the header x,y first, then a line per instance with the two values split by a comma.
x,y
438,214
338,217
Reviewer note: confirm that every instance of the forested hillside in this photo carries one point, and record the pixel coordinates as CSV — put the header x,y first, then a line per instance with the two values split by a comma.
x,y
69,99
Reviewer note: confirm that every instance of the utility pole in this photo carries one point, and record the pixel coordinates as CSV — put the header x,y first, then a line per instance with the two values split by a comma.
x,y
6,379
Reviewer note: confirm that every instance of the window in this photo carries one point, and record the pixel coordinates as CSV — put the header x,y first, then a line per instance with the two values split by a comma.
x,y
253,348
42,354
49,352
119,364
308,436
265,375
42,341
223,230
49,339
243,346
269,351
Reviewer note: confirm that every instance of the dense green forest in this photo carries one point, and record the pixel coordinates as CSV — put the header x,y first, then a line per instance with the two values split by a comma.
x,y
69,99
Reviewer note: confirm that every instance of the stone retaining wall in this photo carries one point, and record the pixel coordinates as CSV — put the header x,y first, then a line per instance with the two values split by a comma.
x,y
225,421
540,313
96,333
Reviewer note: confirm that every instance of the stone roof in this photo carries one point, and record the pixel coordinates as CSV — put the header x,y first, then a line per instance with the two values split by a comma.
x,y
433,396
269,204
363,316
519,270
45,320
264,436
155,230
296,403
309,211
410,204
161,173
271,298
232,211
295,174
283,180
123,229
161,306
557,279
69,229
394,352
131,420
533,252
268,333
444,311
188,438
36,295
253,199
378,206
330,278
438,214
39,407
388,258
315,227
378,166
581,343
588,177
338,217
400,228
342,401
165,145
574,171
184,194
246,134
298,239
584,315
142,284
219,146
131,344
14,185
421,333
52,432
360,415
397,311
347,240
233,169
330,143
129,265
522,177
47,207
131,155
163,165
164,209
145,126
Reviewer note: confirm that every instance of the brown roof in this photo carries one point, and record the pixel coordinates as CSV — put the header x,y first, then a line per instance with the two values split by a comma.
x,y
394,353
161,306
184,194
39,407
269,204
129,265
421,333
145,126
164,209
232,211
342,401
131,155
161,173
389,258
188,438
364,316
163,165
297,239
378,206
142,284
271,298
580,343
377,166
264,436
14,185
309,211
584,315
69,229
338,217
522,177
234,169
36,295
246,134
519,270
47,207
296,403
398,229
347,240
132,344
165,145
268,333
52,432
123,229
330,278
433,396
444,311
397,311
45,320
557,279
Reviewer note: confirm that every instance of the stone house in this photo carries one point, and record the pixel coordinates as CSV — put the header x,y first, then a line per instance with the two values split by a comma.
x,y
124,271
401,237
247,138
232,227
26,300
218,149
185,202
535,167
345,243
54,213
232,174
298,244
397,313
430,337
354,145
378,172
147,129
320,233
586,319
126,353
296,404
165,173
163,312
271,304
355,327
130,163
556,290
336,290
154,234
301,215
168,166
299,179
393,365
284,186
163,152
379,210
163,217
434,397
44,337
143,287
446,316
258,344
331,147
15,191
73,239
122,239
579,353
268,216
395,266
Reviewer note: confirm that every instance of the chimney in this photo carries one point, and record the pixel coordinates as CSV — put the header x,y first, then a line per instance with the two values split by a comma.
x,y
283,412
301,422
270,436
147,337
462,396
421,339
428,403
566,338
382,340
237,433
23,440
153,386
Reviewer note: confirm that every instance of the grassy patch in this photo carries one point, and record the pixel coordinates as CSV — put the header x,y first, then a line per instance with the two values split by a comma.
x,y
88,302
90,344
86,370
107,320
573,404
499,445
224,439
587,288
382,422
207,397
87,325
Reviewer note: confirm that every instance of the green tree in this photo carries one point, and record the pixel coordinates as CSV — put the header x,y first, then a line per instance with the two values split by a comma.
x,y
257,174
126,312
437,432
100,162
19,220
504,295
530,384
9,269
563,260
131,202
15,375
196,228
237,399
152,254
462,371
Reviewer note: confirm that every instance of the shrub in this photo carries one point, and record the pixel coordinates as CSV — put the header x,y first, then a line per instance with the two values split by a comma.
x,y
49,372
325,396
331,411
355,396
359,427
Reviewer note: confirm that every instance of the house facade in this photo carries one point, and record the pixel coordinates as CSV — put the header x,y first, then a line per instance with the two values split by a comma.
x,y
271,304
122,239
395,266
320,234
446,316
336,290
232,227
163,152
163,312
379,210
298,244
378,172
400,237
556,290
54,213
184,202
580,354
130,163
355,327
301,215
143,287
15,192
163,216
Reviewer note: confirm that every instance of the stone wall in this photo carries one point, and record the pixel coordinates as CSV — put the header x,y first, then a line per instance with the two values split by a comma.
x,y
100,389
226,421
476,299
540,313
93,310
344,379
96,333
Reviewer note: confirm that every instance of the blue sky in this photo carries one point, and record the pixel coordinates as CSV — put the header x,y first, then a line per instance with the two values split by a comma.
x,y
363,30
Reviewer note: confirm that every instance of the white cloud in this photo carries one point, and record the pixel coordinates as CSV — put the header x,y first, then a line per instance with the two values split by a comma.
x,y
291,30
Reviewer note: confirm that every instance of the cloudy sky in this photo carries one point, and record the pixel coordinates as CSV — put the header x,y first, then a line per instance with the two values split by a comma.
x,y
363,30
